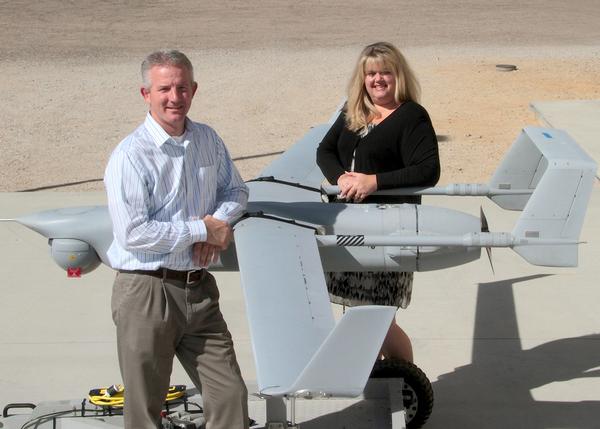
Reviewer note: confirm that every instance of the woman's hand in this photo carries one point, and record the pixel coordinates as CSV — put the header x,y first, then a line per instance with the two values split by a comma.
x,y
356,186
345,184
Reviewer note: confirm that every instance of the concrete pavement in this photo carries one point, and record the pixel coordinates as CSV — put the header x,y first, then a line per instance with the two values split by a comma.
x,y
581,118
517,348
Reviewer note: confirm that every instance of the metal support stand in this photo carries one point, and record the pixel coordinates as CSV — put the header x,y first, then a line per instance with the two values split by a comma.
x,y
395,386
277,413
379,394
293,412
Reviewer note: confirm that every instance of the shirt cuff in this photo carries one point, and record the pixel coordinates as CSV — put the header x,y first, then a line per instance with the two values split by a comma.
x,y
197,230
229,214
221,216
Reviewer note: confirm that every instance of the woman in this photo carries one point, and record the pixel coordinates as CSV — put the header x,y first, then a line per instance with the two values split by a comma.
x,y
382,139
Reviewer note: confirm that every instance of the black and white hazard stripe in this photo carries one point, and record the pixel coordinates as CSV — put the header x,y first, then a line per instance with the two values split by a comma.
x,y
350,240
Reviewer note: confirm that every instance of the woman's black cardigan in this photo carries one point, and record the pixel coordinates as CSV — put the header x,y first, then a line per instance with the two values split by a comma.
x,y
401,150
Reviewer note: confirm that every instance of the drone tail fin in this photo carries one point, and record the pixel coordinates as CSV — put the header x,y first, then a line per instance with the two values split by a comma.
x,y
561,175
357,337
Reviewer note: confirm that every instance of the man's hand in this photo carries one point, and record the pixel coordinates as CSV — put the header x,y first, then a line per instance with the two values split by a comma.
x,y
218,232
357,186
205,254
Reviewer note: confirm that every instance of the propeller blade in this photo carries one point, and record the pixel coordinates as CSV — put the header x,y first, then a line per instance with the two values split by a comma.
x,y
485,228
484,223
489,253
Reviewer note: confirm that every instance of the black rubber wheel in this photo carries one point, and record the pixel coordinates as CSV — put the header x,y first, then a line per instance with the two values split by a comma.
x,y
417,391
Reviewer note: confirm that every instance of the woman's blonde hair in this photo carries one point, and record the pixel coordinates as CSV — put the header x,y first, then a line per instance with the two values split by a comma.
x,y
360,110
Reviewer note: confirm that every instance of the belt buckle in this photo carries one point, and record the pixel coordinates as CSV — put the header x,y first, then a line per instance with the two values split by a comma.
x,y
187,280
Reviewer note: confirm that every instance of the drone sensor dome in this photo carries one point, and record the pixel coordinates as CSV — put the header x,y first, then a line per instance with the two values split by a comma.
x,y
74,255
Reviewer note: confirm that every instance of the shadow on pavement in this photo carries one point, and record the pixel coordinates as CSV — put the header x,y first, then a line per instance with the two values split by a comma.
x,y
494,391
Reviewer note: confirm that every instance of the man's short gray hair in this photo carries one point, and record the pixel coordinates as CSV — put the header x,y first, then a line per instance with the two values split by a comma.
x,y
164,58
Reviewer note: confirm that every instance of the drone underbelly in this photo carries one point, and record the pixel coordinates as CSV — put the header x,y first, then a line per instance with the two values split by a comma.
x,y
366,220
406,220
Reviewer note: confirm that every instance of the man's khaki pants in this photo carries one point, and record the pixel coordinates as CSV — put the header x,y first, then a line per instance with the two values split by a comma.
x,y
159,318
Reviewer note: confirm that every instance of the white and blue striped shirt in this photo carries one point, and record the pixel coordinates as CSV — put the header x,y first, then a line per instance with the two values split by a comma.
x,y
159,190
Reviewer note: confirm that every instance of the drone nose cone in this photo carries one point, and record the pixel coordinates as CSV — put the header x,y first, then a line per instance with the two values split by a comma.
x,y
40,222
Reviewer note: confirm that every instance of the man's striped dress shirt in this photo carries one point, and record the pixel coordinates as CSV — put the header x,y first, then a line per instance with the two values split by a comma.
x,y
159,190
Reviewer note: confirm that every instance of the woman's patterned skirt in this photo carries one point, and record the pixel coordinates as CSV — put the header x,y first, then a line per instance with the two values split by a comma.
x,y
370,288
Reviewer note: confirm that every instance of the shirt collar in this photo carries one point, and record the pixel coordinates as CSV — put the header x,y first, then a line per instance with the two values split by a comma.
x,y
157,133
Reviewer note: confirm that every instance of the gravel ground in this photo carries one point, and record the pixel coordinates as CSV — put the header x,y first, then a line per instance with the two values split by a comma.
x,y
268,72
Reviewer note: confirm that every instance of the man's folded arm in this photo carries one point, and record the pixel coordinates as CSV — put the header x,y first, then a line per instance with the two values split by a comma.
x,y
232,192
128,203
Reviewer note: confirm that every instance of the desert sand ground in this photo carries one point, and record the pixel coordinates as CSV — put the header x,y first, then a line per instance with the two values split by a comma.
x,y
269,70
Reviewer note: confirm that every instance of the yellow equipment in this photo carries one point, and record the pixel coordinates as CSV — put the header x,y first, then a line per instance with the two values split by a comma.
x,y
114,396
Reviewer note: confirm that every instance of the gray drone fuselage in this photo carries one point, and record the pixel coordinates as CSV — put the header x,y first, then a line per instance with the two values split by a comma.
x,y
545,174
77,235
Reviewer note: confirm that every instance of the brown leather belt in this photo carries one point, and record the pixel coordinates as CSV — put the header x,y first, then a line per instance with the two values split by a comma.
x,y
187,277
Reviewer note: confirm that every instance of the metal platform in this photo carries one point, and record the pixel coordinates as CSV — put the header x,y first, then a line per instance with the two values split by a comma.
x,y
380,406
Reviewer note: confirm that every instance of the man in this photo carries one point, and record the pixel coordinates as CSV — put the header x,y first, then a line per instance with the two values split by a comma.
x,y
172,193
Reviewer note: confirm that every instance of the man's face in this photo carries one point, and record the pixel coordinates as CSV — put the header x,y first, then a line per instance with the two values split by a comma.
x,y
170,96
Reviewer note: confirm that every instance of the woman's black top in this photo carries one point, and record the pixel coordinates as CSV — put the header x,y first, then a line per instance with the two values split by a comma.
x,y
401,150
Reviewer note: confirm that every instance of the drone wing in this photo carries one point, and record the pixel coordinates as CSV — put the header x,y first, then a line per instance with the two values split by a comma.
x,y
298,348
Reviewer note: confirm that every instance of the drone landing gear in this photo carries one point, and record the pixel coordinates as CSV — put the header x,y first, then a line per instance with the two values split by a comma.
x,y
417,393
396,382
